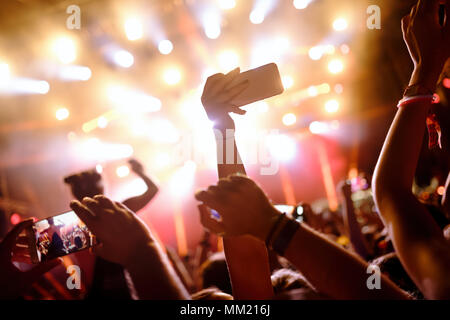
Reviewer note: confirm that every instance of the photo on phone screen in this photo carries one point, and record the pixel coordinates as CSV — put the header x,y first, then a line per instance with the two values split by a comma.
x,y
59,236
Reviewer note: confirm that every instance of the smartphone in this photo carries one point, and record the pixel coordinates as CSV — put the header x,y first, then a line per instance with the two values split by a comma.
x,y
58,236
264,82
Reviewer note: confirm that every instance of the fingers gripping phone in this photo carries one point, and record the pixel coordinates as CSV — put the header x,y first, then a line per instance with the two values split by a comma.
x,y
58,236
263,82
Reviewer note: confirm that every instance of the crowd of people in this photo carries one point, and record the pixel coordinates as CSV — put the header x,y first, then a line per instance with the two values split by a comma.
x,y
267,254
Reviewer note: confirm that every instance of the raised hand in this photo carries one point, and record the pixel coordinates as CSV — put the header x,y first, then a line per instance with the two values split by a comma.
x,y
136,166
14,282
218,95
428,42
345,189
122,235
243,206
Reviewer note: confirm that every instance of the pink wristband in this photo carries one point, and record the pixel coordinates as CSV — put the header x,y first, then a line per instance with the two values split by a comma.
x,y
408,100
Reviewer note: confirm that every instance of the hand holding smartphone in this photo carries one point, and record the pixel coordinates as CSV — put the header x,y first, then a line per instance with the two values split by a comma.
x,y
58,236
263,82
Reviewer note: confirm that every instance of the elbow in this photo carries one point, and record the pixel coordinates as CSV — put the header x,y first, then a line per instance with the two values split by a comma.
x,y
383,191
380,185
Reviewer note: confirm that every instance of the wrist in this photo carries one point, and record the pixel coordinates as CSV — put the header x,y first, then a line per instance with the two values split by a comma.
x,y
224,133
272,215
425,77
140,254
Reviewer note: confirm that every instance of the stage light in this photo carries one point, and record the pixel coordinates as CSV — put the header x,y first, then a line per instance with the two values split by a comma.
x,y
136,101
440,190
281,147
172,76
318,127
25,86
301,4
256,16
162,131
207,73
15,218
340,24
227,4
182,180
123,58
94,149
99,168
289,119
62,113
228,60
65,50
315,53
211,25
122,171
102,122
165,46
5,73
75,73
268,51
133,29
262,106
312,91
162,160
332,106
335,66
287,81
323,88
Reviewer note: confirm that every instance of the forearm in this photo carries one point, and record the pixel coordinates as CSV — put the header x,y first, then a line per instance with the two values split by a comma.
x,y
154,278
400,153
139,202
247,258
354,229
398,159
333,270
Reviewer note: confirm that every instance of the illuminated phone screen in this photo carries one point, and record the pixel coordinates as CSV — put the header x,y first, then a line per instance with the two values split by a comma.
x,y
61,235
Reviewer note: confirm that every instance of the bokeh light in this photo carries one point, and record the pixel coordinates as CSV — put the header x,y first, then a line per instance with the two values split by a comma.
x,y
289,119
122,171
62,113
64,49
165,46
133,29
172,76
332,106
340,24
336,66
123,58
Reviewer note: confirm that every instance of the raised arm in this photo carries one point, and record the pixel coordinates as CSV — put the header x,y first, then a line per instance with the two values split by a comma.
x,y
247,258
331,269
124,239
357,239
139,202
417,239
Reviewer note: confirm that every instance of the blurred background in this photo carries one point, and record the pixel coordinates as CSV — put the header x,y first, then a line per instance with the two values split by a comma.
x,y
127,84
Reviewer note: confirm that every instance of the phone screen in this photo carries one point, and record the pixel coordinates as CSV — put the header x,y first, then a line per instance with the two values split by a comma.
x,y
59,236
